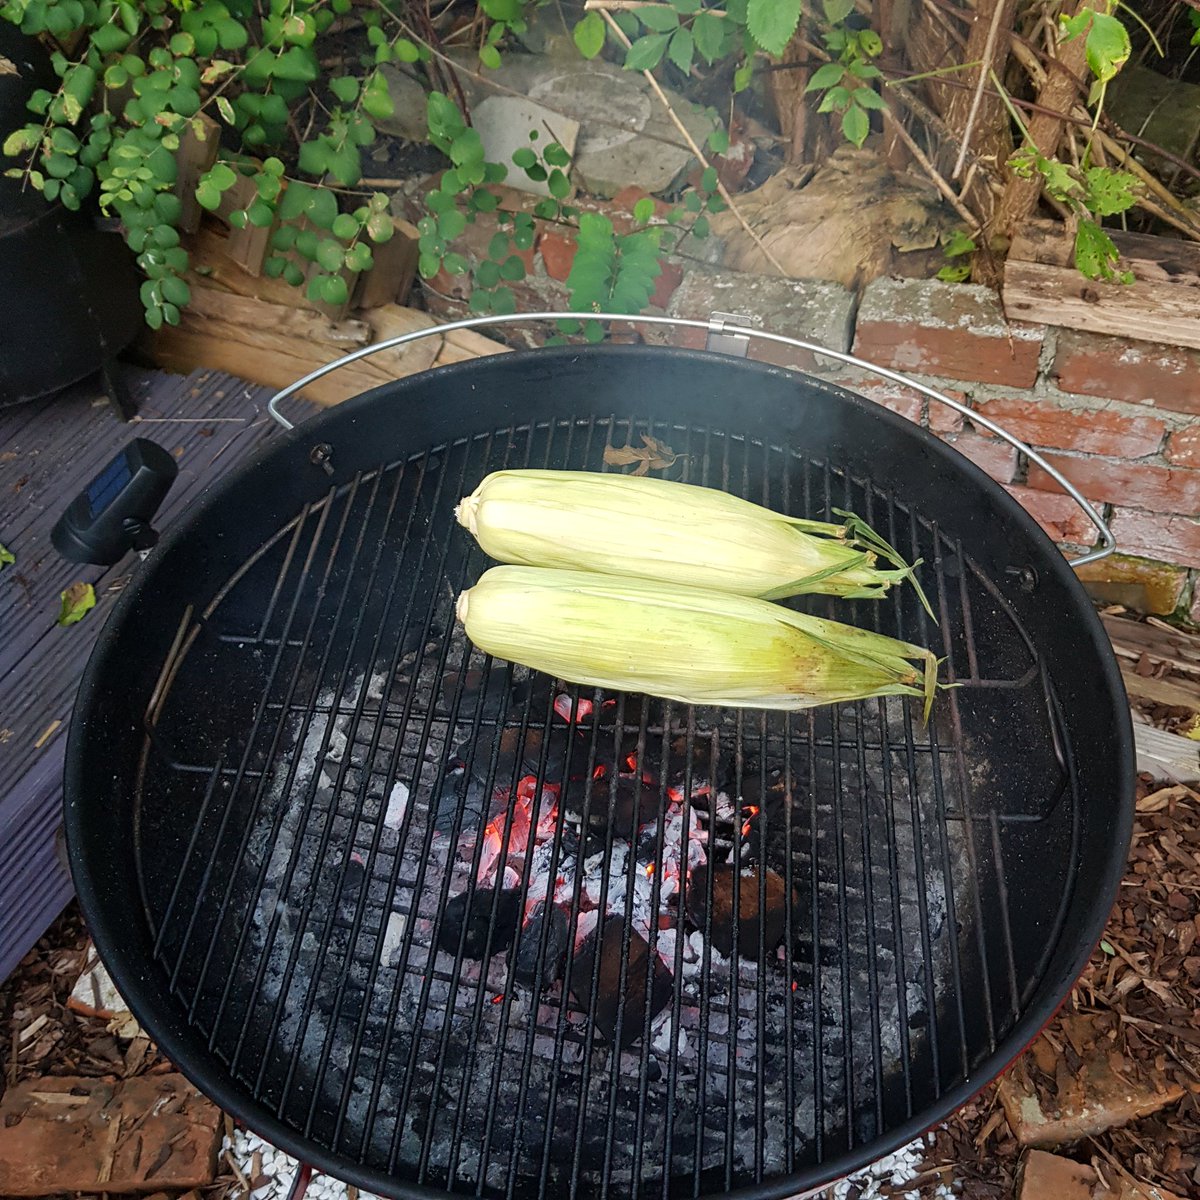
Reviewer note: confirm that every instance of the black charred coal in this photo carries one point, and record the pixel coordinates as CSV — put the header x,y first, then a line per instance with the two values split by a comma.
x,y
474,911
460,791
636,802
522,753
488,695
759,930
550,924
648,983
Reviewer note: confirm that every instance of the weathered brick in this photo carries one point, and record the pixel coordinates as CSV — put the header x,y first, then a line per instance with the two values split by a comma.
x,y
1183,447
1171,538
1145,587
935,328
1143,485
1094,1097
1057,514
667,283
893,396
1194,611
812,310
1044,1176
558,253
1123,369
942,418
997,458
65,1134
1042,422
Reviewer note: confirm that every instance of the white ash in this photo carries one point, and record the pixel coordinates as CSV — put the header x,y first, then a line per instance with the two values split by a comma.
x,y
397,806
887,1176
278,1170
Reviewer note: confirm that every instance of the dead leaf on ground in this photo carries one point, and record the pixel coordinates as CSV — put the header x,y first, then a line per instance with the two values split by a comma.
x,y
77,601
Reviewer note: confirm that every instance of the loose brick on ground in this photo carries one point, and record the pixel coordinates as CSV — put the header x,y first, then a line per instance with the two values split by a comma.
x,y
76,1134
1123,369
934,328
1042,422
1139,485
1046,1176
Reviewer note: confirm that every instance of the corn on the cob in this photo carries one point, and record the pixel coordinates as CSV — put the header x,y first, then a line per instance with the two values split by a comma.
x,y
684,644
649,528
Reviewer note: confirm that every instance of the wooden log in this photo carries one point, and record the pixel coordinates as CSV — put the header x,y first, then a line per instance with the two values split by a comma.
x,y
263,315
394,270
246,246
1057,96
1166,754
1160,691
1147,256
1160,643
1145,310
198,146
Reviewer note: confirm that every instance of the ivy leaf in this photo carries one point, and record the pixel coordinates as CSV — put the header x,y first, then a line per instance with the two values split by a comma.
x,y
1107,46
643,210
6,556
502,10
709,35
772,22
958,273
660,20
856,125
345,88
957,244
226,110
742,76
836,11
682,49
489,56
825,77
77,601
646,53
588,35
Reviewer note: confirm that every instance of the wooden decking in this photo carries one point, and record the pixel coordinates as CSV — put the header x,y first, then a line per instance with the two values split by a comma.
x,y
49,451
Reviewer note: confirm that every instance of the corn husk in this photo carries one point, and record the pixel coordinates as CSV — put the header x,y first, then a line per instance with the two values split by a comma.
x,y
649,528
684,644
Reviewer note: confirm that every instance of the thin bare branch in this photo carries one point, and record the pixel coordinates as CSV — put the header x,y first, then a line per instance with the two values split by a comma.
x,y
923,160
989,49
722,190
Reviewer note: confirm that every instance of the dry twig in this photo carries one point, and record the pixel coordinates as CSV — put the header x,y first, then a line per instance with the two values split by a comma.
x,y
989,49
722,190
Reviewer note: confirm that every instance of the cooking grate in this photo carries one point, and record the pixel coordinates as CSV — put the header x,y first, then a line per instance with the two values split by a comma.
x,y
329,727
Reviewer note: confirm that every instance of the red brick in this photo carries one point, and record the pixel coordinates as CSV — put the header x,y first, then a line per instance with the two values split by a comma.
x,y
1146,485
667,283
997,458
1058,515
1122,369
1194,612
1183,447
1166,537
942,418
893,396
64,1134
935,328
558,253
1041,422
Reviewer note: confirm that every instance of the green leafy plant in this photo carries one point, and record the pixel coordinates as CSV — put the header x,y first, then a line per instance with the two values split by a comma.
x,y
142,79
845,81
958,245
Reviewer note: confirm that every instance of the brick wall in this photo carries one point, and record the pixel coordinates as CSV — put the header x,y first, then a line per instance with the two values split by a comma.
x,y
1119,418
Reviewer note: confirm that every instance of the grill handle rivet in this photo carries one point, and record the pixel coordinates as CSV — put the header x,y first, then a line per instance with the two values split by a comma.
x,y
1027,577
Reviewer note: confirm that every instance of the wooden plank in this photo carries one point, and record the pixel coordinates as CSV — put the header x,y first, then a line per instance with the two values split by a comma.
x,y
1159,691
1132,639
263,315
1166,754
198,146
1148,257
1148,311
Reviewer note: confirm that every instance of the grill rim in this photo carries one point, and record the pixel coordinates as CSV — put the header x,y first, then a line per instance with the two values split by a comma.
x,y
203,1068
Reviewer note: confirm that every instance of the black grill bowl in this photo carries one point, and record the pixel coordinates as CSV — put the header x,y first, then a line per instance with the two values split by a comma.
x,y
278,667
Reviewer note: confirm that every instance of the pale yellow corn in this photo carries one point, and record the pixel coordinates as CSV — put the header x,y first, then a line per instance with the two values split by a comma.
x,y
685,644
648,528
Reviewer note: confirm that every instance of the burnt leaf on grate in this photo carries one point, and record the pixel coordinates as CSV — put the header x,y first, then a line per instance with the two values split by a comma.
x,y
648,983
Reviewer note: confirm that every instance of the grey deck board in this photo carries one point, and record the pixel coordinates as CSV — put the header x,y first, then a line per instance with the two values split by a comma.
x,y
49,451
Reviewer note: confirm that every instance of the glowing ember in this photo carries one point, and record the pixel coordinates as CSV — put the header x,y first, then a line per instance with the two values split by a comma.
x,y
752,811
563,705
498,999
649,868
631,762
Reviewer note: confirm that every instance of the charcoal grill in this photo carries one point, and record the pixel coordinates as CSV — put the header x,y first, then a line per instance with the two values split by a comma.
x,y
289,775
